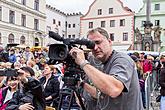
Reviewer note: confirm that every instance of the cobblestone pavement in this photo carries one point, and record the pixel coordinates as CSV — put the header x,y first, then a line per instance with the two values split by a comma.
x,y
154,105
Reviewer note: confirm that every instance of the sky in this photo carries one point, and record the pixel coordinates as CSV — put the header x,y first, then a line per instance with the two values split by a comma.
x,y
70,6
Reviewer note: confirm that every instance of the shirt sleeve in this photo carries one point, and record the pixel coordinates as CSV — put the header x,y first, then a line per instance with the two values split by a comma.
x,y
123,69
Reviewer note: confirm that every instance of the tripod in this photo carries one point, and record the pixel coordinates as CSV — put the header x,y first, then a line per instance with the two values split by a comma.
x,y
70,92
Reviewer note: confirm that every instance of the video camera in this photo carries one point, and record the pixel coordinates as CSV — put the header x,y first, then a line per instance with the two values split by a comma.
x,y
9,72
73,73
60,53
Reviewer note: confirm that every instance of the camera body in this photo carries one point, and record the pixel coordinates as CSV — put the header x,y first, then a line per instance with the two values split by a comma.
x,y
60,53
9,72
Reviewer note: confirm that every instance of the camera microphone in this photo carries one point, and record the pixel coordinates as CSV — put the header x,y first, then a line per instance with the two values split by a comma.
x,y
55,36
90,44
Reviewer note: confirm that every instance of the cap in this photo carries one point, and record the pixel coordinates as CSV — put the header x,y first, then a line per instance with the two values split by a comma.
x,y
142,53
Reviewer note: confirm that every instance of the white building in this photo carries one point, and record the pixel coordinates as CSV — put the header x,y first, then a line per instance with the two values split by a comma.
x,y
22,22
115,18
157,18
55,22
73,25
66,25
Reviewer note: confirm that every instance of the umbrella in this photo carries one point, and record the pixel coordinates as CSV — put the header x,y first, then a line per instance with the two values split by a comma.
x,y
21,46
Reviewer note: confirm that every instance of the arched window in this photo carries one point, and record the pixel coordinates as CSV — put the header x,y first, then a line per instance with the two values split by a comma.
x,y
36,42
22,40
11,39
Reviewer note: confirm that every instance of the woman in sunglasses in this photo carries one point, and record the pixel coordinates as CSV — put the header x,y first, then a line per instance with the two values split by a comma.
x,y
30,95
7,92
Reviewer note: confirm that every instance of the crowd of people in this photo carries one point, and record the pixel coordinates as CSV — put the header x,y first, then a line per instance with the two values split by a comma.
x,y
113,80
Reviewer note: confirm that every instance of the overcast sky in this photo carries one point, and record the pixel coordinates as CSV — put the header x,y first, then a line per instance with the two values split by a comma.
x,y
70,6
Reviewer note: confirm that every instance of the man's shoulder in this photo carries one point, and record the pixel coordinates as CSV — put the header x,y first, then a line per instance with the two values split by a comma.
x,y
121,56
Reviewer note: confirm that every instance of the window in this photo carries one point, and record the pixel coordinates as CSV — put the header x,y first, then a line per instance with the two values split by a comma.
x,y
102,23
36,5
74,25
23,21
112,23
112,36
54,21
69,36
36,24
122,22
110,10
157,22
73,36
90,24
59,23
22,40
69,25
36,42
125,36
11,17
143,23
157,6
0,13
99,11
11,39
23,2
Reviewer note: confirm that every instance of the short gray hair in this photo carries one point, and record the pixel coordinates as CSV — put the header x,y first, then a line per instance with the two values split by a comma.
x,y
100,30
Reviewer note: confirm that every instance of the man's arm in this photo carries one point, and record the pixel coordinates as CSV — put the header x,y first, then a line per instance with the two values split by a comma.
x,y
90,89
105,83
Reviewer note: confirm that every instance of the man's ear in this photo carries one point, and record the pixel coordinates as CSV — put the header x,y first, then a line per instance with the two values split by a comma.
x,y
109,40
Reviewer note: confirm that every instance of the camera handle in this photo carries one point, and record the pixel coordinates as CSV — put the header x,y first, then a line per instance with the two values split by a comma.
x,y
71,94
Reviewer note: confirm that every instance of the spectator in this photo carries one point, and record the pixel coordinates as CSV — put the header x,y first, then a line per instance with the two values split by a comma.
x,y
28,55
30,95
51,86
6,93
12,56
162,85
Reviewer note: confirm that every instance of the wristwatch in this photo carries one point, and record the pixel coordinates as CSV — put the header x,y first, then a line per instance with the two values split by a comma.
x,y
84,63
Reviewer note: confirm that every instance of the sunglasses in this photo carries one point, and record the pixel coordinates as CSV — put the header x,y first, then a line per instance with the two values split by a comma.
x,y
13,79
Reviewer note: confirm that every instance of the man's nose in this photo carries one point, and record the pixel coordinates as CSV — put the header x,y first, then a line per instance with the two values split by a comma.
x,y
96,46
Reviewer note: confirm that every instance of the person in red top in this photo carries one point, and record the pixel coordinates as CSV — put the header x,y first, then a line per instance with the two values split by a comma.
x,y
147,65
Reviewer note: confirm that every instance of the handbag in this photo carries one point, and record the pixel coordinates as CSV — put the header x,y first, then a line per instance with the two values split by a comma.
x,y
158,98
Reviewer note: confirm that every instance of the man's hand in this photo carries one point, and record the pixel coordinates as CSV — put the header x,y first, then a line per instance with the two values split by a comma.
x,y
78,55
48,98
26,106
21,75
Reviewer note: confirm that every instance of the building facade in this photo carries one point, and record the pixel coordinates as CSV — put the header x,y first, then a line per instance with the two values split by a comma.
x,y
115,18
157,18
22,22
66,25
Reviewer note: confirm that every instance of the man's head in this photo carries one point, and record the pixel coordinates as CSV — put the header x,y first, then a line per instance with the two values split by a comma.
x,y
27,49
103,44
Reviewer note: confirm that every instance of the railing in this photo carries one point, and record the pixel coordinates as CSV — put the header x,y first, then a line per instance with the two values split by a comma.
x,y
151,82
147,91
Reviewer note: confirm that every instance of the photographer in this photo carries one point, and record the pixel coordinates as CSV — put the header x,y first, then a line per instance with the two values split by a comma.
x,y
30,95
7,92
117,86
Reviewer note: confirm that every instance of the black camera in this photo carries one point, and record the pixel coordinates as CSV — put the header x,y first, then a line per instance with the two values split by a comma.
x,y
73,73
59,52
9,72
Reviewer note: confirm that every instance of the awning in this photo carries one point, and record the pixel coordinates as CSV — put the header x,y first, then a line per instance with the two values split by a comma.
x,y
121,47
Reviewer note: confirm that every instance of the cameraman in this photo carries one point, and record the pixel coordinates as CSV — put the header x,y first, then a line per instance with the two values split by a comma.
x,y
30,95
117,86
